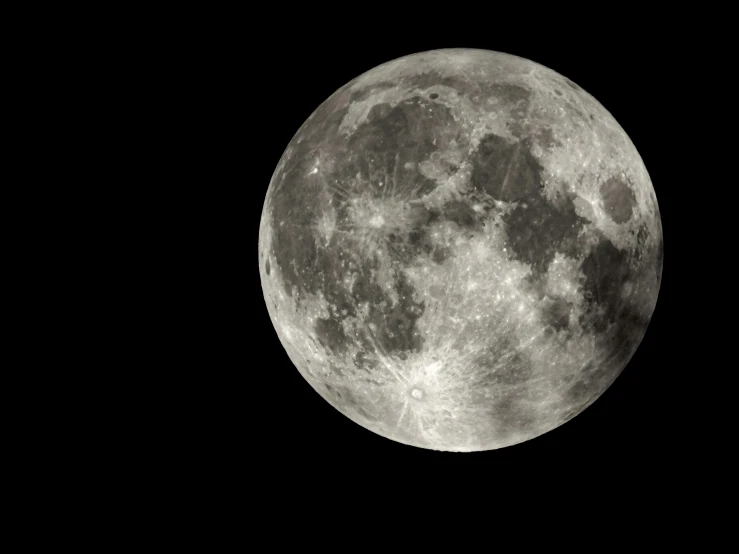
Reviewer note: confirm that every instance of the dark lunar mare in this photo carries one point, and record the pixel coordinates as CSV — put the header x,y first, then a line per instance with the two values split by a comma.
x,y
394,136
384,154
536,228
293,200
618,199
606,269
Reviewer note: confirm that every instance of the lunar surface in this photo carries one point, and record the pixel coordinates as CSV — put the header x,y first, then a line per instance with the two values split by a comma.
x,y
460,250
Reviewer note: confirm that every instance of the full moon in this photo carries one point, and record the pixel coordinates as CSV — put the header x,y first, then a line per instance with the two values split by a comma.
x,y
460,250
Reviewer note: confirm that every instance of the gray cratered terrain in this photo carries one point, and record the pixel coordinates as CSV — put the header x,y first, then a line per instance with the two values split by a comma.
x,y
460,250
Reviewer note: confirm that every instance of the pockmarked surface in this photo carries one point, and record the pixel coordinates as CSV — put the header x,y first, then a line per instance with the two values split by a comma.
x,y
460,250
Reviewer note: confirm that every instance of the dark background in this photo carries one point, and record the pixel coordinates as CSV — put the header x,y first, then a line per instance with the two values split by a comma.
x,y
641,419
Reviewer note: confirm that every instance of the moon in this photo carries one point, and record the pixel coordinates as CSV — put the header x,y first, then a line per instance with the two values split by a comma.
x,y
460,250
